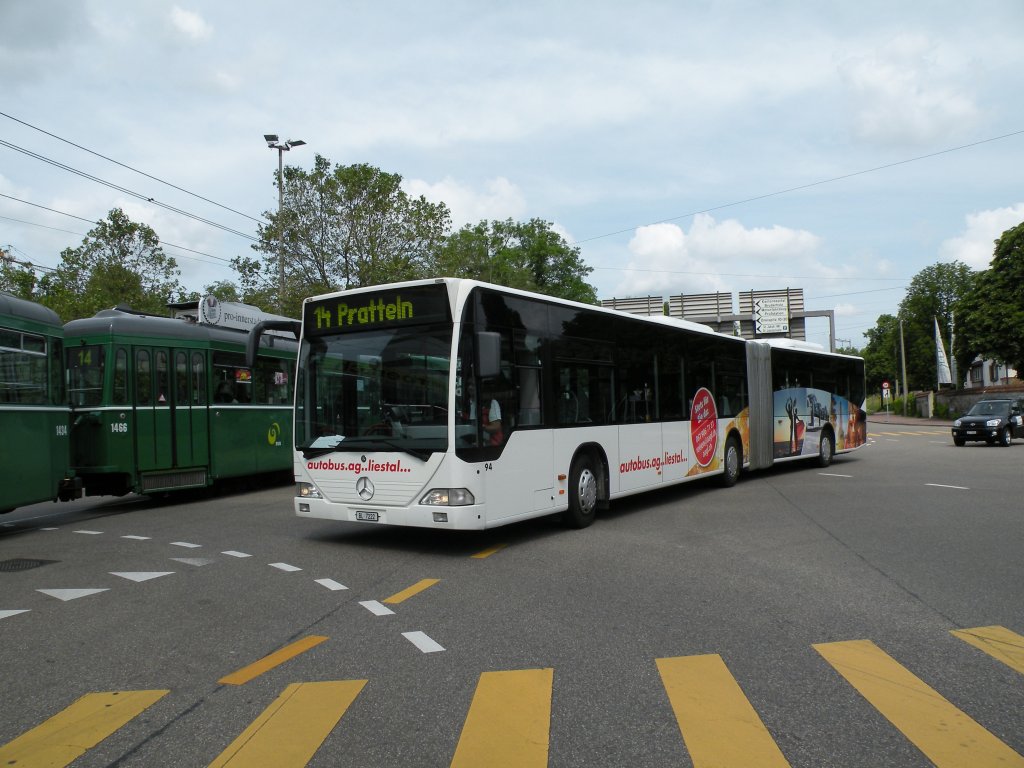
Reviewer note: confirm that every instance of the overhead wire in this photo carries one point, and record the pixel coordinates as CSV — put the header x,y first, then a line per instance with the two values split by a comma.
x,y
130,168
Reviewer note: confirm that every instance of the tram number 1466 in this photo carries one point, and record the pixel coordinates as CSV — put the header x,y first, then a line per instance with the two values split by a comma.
x,y
119,427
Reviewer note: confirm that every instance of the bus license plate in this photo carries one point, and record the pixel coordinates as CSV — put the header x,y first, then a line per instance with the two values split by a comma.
x,y
369,517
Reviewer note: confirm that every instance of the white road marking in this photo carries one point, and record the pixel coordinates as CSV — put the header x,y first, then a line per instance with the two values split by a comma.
x,y
140,575
954,487
137,538
233,553
5,614
91,533
185,544
285,567
832,474
197,561
421,641
376,608
49,529
331,584
70,594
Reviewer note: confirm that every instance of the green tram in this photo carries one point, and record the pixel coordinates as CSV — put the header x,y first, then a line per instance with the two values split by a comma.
x,y
34,413
161,403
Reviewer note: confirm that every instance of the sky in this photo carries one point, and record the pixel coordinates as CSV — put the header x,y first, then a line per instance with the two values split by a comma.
x,y
684,147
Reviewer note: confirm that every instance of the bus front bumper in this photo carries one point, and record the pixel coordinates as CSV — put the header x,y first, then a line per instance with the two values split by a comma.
x,y
465,518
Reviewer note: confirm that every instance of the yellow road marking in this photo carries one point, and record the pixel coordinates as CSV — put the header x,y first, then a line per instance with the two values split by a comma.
x,y
717,722
489,552
509,721
81,726
415,589
277,658
998,642
290,731
947,736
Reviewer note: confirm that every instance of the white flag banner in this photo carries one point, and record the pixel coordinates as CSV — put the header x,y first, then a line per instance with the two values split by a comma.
x,y
941,363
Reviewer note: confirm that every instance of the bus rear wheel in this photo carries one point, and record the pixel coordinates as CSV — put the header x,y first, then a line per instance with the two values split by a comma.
x,y
582,493
826,448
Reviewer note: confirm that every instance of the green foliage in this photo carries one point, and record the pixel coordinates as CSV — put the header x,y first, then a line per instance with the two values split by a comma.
x,y
118,262
527,255
342,227
992,314
934,293
881,355
17,278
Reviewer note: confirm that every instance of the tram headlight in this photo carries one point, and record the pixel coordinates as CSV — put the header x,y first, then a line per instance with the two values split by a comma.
x,y
448,497
307,491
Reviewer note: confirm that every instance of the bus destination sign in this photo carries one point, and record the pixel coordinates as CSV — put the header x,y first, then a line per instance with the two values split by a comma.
x,y
371,310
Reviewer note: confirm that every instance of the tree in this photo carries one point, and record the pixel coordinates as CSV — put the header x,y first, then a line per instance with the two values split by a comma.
x,y
934,294
17,277
992,314
881,355
118,262
342,227
528,255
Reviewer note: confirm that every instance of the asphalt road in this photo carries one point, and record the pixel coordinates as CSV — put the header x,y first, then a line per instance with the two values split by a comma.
x,y
802,618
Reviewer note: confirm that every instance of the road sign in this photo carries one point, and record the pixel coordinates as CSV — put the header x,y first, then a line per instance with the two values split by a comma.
x,y
771,314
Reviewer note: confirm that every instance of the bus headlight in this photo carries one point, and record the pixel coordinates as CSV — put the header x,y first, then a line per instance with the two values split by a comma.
x,y
307,491
448,497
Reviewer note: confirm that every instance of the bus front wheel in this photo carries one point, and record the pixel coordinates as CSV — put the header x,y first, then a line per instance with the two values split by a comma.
x,y
733,462
582,493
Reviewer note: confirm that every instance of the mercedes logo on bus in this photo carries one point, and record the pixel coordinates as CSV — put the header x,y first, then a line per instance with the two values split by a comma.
x,y
364,488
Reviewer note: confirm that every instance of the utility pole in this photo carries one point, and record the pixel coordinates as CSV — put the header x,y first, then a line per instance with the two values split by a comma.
x,y
903,360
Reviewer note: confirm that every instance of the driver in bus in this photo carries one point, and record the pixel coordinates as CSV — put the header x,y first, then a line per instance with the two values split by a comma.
x,y
491,421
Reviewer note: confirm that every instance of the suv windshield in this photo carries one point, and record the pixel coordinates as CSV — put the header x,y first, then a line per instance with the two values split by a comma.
x,y
999,408
384,390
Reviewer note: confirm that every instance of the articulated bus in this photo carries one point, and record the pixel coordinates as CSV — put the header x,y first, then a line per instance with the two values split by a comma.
x,y
161,403
34,413
462,405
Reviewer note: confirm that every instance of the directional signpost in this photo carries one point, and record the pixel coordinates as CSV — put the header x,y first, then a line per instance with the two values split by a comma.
x,y
771,315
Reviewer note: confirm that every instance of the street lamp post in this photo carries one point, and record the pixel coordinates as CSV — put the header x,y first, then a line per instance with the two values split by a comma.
x,y
281,146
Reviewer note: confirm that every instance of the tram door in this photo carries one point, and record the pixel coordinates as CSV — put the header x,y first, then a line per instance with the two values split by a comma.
x,y
189,409
170,408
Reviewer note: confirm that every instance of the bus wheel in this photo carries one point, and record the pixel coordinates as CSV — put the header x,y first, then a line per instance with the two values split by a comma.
x,y
826,448
733,462
582,493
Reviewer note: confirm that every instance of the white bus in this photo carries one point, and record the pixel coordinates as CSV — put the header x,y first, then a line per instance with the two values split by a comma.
x,y
458,404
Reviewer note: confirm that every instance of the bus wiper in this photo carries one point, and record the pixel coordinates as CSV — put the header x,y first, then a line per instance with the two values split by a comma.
x,y
311,452
375,442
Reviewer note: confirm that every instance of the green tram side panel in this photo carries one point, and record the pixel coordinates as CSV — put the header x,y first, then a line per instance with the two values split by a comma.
x,y
36,448
163,446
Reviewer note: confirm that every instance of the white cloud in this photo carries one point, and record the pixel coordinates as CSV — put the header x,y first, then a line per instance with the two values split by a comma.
x,y
499,199
906,93
190,24
666,259
974,246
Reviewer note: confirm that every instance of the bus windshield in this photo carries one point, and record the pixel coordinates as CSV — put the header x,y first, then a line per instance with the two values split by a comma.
x,y
383,389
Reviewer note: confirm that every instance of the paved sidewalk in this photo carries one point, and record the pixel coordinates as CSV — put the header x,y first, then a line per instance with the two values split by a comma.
x,y
899,419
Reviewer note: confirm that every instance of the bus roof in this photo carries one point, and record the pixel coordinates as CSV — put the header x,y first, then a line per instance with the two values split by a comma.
x,y
461,287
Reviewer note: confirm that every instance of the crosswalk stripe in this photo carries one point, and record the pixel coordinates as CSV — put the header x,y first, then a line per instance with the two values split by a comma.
x,y
509,721
717,722
78,728
275,659
998,642
290,731
947,736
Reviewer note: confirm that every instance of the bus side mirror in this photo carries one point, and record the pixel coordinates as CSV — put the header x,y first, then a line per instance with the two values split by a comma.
x,y
488,354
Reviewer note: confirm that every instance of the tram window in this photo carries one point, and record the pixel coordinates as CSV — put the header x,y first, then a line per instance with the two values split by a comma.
x,y
23,373
120,377
143,378
181,378
272,381
198,379
162,382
